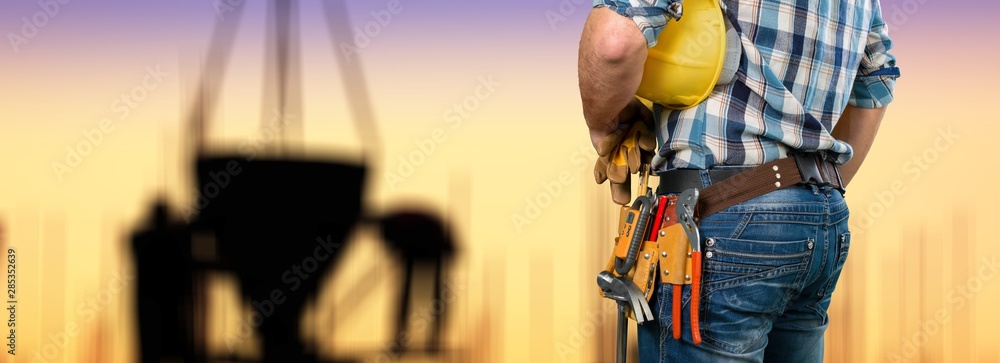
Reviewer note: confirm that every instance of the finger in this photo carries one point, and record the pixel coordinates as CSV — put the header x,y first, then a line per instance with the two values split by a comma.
x,y
610,142
634,160
647,141
617,173
618,156
601,170
621,193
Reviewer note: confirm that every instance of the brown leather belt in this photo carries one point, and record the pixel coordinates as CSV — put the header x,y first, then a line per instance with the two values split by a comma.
x,y
731,187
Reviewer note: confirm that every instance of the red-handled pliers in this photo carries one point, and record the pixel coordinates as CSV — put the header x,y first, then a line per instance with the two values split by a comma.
x,y
687,201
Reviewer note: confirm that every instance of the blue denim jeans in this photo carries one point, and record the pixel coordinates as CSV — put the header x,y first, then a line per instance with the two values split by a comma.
x,y
770,267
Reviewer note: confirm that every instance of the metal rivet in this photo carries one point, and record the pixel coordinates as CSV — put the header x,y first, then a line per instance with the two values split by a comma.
x,y
667,219
710,242
775,168
809,245
709,254
689,254
646,256
687,277
777,175
663,233
666,272
777,184
664,254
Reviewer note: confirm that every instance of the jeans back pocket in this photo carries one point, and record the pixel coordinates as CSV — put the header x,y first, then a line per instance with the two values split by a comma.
x,y
733,262
745,284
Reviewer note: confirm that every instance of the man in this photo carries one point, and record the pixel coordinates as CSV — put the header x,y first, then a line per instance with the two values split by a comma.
x,y
815,77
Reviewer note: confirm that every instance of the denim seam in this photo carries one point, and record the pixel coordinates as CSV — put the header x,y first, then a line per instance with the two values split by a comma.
x,y
826,251
758,241
784,213
768,204
843,248
783,221
819,312
783,256
839,220
766,274
664,328
738,231
738,269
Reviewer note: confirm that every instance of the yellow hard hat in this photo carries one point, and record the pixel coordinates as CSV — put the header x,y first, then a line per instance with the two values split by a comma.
x,y
688,58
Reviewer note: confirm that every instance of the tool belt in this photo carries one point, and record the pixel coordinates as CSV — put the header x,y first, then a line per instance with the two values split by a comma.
x,y
731,187
658,237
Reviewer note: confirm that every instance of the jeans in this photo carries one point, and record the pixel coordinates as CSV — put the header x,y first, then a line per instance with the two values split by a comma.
x,y
770,265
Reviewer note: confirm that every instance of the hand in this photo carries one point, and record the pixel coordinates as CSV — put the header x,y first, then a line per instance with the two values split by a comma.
x,y
633,112
623,151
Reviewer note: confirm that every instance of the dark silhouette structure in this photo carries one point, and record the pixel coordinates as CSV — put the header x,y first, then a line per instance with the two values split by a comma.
x,y
276,221
280,225
165,292
425,245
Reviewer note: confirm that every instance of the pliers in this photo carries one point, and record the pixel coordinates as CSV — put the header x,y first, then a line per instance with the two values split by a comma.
x,y
686,203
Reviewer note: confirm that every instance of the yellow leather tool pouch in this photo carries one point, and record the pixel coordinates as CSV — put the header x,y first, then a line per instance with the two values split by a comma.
x,y
644,273
675,258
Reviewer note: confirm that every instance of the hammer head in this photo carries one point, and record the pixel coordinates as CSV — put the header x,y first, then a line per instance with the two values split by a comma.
x,y
625,292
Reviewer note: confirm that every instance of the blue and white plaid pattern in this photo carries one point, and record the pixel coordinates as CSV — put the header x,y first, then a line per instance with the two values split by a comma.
x,y
803,62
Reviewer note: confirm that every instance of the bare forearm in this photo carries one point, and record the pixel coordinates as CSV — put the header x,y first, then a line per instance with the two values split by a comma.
x,y
857,127
612,54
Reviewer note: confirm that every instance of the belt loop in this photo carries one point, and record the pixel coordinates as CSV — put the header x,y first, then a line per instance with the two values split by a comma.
x,y
706,178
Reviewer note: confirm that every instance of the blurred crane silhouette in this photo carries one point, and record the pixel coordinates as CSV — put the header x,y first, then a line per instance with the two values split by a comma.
x,y
277,221
426,246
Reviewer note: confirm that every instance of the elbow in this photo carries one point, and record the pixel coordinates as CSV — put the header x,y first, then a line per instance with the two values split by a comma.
x,y
614,39
616,48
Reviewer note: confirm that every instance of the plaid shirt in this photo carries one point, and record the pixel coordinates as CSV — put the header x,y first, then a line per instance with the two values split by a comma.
x,y
802,64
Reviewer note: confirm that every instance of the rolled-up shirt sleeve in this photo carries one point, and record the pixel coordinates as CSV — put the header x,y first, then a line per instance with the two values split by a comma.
x,y
876,79
649,15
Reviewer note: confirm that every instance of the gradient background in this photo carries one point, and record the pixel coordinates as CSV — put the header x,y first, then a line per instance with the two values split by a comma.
x,y
918,284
